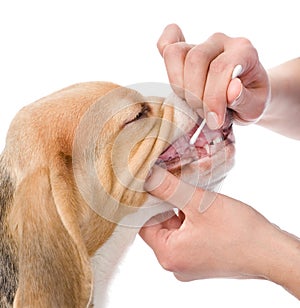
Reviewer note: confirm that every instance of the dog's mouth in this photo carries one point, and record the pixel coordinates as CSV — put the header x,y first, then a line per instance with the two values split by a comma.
x,y
208,143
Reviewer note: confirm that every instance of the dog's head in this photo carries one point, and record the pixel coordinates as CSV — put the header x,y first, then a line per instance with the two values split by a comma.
x,y
124,134
77,161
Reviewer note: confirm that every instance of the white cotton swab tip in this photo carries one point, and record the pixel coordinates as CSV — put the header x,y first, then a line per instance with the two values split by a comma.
x,y
238,69
197,132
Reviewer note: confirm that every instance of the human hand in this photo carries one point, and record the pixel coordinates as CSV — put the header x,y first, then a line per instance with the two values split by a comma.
x,y
229,239
201,74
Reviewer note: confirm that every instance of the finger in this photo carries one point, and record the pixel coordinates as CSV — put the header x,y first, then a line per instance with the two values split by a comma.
x,y
171,34
234,92
166,220
169,188
156,234
174,57
223,88
196,66
215,94
245,112
242,94
237,52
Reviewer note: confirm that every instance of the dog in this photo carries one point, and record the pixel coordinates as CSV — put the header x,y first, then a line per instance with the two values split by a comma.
x,y
71,182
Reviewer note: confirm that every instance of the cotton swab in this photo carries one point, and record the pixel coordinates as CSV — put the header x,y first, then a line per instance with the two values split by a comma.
x,y
197,132
235,73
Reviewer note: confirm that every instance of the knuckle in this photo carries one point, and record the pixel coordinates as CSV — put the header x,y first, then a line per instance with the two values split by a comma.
x,y
160,45
217,36
181,277
171,34
199,52
245,44
167,263
218,66
166,188
242,41
174,50
174,28
213,100
252,52
161,186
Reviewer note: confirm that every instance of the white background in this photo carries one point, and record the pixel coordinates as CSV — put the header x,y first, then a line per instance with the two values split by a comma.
x,y
47,45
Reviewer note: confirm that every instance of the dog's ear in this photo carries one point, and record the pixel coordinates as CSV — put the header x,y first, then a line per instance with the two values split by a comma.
x,y
54,268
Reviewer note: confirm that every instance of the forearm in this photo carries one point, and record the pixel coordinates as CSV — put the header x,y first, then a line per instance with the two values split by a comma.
x,y
283,112
283,261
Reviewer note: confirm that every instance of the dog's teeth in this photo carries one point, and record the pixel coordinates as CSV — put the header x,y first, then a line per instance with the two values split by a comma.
x,y
206,147
217,140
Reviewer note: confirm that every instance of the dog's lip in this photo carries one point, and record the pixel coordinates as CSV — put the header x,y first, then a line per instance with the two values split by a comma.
x,y
208,143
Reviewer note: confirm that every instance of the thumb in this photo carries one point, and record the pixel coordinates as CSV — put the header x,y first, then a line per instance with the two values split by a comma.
x,y
239,100
167,187
234,92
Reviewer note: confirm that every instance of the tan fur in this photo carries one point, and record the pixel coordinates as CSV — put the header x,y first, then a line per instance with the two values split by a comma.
x,y
73,167
48,230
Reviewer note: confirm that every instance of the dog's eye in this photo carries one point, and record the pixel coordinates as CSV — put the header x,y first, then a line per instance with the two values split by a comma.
x,y
142,114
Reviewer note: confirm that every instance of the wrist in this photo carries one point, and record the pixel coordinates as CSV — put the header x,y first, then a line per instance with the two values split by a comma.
x,y
273,96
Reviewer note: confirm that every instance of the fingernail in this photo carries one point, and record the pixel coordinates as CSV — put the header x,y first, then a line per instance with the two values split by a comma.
x,y
212,120
236,100
240,93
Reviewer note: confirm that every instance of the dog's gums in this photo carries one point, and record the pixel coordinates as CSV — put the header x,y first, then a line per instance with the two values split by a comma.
x,y
208,143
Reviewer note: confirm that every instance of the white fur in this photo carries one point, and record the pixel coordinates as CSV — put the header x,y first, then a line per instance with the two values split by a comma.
x,y
109,255
106,259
